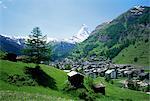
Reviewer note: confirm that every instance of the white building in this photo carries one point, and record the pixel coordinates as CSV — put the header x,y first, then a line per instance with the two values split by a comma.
x,y
111,74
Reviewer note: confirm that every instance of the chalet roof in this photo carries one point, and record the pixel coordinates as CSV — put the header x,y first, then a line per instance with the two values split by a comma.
x,y
67,71
128,72
143,84
86,70
122,70
109,71
101,70
142,74
94,71
72,73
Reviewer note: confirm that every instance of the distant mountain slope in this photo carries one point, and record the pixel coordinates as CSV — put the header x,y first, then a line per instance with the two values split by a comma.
x,y
109,39
11,45
137,54
61,50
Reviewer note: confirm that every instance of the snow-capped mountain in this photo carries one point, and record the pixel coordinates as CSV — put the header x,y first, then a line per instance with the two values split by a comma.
x,y
60,48
17,39
11,44
81,35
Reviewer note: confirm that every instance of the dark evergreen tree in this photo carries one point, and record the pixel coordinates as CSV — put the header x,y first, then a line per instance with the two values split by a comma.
x,y
37,48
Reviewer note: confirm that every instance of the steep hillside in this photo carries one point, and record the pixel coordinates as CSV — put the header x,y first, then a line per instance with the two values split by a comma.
x,y
14,81
16,84
137,54
109,39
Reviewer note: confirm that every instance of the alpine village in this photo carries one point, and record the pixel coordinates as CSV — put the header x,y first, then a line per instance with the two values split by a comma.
x,y
110,63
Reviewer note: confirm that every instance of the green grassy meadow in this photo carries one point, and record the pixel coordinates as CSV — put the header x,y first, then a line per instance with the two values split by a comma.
x,y
12,92
12,68
140,51
121,94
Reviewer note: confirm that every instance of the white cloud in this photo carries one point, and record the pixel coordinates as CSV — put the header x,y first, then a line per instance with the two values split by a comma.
x,y
3,6
1,2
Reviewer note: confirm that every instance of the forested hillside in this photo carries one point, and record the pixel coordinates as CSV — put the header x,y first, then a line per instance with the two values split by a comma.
x,y
117,39
60,50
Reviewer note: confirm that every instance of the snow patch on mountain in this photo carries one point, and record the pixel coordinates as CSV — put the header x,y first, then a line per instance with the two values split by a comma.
x,y
17,39
49,39
81,35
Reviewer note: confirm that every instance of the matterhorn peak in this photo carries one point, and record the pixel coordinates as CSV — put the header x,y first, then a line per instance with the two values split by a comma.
x,y
80,36
84,26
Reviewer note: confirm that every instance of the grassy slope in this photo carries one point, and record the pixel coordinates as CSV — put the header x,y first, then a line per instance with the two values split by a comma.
x,y
18,68
116,93
17,96
139,50
38,93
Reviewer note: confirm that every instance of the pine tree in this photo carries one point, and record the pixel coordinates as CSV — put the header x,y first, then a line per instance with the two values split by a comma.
x,y
37,48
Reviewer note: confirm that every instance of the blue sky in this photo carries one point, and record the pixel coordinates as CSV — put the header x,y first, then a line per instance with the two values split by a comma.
x,y
59,18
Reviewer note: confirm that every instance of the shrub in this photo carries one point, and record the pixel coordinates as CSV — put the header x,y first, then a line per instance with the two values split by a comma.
x,y
86,95
82,93
135,59
67,86
2,55
88,83
112,82
146,40
85,92
20,80
107,79
133,85
67,66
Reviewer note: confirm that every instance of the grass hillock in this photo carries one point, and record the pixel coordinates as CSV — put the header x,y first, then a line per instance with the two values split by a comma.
x,y
8,68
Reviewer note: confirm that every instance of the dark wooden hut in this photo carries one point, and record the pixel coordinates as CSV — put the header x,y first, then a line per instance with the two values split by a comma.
x,y
99,88
11,57
76,79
